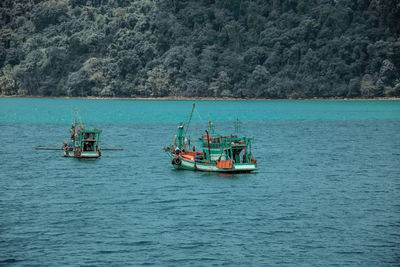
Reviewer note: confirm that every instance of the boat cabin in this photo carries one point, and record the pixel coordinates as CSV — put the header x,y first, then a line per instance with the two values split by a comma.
x,y
88,139
84,143
226,148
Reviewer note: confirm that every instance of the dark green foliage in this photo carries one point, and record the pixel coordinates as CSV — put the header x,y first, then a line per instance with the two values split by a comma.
x,y
43,16
207,48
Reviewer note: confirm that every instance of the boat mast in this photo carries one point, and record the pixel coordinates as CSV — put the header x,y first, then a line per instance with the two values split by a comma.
x,y
190,119
208,141
76,117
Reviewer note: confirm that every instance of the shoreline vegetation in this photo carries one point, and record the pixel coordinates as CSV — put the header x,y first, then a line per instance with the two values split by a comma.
x,y
181,98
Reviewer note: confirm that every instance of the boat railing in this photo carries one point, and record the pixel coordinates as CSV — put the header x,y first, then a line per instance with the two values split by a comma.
x,y
213,145
224,142
89,139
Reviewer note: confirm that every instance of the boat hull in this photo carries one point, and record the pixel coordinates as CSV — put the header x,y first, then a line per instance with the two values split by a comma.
x,y
193,165
87,155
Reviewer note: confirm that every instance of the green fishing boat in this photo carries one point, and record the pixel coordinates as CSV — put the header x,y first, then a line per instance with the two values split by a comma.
x,y
220,153
83,143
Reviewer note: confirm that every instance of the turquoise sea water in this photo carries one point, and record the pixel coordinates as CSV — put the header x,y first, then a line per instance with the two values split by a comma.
x,y
327,191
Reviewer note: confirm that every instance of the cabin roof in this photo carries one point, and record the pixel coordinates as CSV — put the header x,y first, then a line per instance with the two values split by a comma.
x,y
90,131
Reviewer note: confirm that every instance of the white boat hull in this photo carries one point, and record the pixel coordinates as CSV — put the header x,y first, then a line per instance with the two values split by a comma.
x,y
91,154
210,167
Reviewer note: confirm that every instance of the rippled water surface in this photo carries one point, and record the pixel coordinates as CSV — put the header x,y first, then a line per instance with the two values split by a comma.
x,y
327,191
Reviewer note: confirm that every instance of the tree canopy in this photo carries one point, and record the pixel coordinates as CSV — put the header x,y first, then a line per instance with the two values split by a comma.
x,y
202,48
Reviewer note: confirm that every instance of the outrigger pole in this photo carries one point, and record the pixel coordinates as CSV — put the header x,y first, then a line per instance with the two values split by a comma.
x,y
47,148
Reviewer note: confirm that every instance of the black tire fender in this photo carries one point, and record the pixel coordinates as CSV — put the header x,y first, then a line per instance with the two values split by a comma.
x,y
176,161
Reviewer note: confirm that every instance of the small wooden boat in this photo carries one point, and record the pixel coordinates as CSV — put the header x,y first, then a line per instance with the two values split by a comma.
x,y
219,153
83,143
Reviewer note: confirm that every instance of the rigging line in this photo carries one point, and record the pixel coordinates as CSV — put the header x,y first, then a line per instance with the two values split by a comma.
x,y
194,130
81,120
198,114
75,116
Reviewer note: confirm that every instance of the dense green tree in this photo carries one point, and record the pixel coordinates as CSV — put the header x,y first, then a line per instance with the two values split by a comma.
x,y
214,48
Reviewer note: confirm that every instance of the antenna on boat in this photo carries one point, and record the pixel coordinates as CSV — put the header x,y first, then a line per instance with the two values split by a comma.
x,y
210,126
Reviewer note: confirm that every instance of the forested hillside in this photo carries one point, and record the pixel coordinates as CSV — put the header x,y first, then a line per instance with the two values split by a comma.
x,y
205,48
